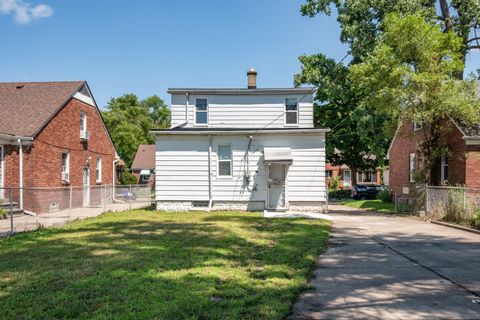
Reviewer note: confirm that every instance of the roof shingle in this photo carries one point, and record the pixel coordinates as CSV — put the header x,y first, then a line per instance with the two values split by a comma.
x,y
26,106
145,157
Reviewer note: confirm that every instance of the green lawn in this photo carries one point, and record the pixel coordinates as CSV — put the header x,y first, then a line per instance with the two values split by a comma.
x,y
153,265
370,205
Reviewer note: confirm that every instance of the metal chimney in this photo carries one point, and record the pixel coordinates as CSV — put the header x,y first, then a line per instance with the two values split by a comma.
x,y
252,78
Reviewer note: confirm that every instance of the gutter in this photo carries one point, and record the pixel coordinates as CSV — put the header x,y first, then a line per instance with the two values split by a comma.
x,y
236,132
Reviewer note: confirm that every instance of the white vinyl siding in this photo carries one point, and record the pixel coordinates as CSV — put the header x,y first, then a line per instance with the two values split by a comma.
x,y
243,111
182,167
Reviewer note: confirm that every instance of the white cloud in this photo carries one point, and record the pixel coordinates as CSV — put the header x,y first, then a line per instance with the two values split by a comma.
x,y
24,12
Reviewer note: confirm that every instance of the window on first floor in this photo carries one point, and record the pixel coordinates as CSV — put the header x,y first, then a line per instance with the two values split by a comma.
x,y
444,168
224,161
98,169
65,167
347,178
368,176
328,174
412,167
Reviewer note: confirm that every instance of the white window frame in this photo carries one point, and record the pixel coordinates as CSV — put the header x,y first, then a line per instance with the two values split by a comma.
x,y
66,167
411,167
83,120
230,160
290,111
345,183
443,165
98,170
416,126
195,113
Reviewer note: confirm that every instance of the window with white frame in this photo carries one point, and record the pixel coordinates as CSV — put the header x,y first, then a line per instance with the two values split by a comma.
x,y
98,171
224,161
66,166
291,111
412,167
83,122
201,112
444,168
368,176
416,126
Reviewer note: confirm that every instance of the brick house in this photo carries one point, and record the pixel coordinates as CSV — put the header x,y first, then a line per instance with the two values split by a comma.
x,y
143,166
52,135
460,166
345,174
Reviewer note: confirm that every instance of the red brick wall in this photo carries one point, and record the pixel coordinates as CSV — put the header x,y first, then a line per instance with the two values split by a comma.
x,y
42,159
406,142
473,167
336,171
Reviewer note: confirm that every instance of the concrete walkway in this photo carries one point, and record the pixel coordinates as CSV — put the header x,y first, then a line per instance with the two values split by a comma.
x,y
390,267
22,223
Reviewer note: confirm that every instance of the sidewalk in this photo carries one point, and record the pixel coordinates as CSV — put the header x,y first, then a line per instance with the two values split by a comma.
x,y
22,223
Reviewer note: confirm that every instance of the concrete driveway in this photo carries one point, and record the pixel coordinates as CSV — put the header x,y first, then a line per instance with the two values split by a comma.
x,y
390,267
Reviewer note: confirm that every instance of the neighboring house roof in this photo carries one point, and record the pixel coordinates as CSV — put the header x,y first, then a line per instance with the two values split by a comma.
x,y
144,158
241,91
25,107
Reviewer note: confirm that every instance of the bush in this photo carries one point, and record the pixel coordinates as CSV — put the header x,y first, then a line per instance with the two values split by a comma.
x,y
335,183
128,178
385,196
340,194
456,208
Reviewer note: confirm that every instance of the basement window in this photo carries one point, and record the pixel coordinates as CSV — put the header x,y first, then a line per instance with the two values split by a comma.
x,y
200,204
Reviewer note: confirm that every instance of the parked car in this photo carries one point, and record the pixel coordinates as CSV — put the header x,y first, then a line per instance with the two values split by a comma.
x,y
366,191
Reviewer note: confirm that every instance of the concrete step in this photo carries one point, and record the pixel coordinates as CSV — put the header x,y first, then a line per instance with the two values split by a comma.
x,y
15,211
6,204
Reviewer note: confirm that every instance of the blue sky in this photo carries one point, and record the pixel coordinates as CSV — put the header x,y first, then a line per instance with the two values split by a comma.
x,y
144,47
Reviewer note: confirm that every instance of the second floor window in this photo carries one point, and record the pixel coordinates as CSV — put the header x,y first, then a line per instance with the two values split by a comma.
x,y
65,166
83,122
201,112
291,111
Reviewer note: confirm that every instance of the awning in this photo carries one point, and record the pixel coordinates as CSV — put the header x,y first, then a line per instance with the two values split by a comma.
x,y
277,155
145,172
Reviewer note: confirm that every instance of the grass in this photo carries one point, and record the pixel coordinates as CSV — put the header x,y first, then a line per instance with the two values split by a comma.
x,y
153,265
370,205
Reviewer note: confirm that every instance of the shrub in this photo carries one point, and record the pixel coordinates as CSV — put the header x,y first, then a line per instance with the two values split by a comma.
x,y
340,194
476,219
455,209
127,178
385,196
335,183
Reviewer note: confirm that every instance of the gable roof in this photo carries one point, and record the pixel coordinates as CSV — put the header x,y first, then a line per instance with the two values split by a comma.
x,y
145,157
25,107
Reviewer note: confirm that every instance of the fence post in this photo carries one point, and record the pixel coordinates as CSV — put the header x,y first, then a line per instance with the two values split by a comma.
x,y
426,199
130,198
11,211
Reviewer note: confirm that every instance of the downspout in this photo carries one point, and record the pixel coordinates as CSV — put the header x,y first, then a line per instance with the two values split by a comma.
x,y
210,199
114,173
20,183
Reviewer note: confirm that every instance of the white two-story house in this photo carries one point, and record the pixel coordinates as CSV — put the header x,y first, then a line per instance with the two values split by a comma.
x,y
241,149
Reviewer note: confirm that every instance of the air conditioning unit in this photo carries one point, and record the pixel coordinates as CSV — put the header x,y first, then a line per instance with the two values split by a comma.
x,y
65,176
84,135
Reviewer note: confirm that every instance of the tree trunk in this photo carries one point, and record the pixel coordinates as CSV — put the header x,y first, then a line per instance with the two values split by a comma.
x,y
354,175
446,14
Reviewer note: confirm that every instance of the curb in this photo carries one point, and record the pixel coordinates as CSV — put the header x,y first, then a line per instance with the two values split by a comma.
x,y
454,226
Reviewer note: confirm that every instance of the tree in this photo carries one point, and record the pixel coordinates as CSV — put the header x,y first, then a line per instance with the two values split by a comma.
x,y
410,76
130,121
357,139
361,20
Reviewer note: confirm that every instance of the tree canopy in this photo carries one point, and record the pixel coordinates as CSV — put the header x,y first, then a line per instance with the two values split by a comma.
x,y
410,76
361,20
130,120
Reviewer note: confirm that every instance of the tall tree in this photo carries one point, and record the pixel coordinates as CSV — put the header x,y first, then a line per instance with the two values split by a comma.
x,y
361,20
410,76
130,120
356,139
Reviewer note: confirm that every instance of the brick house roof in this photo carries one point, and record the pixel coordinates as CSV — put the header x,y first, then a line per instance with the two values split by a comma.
x,y
144,158
25,107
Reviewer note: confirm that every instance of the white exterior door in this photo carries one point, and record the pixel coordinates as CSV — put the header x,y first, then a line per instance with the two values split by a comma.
x,y
86,186
1,173
277,198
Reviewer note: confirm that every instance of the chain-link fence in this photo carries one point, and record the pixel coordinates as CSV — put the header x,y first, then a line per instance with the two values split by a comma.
x,y
23,209
453,204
